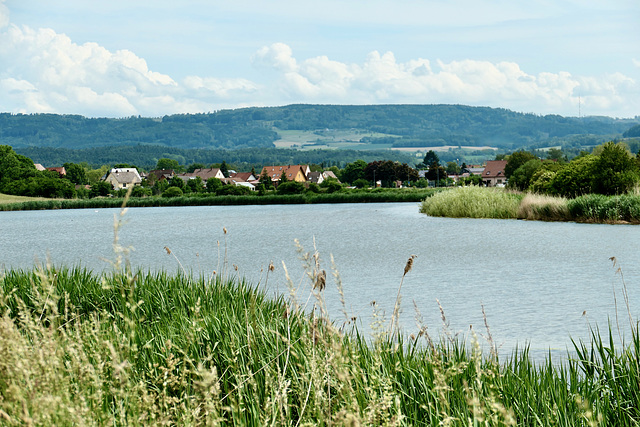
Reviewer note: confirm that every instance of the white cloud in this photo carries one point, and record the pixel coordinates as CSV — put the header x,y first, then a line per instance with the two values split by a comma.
x,y
43,71
382,79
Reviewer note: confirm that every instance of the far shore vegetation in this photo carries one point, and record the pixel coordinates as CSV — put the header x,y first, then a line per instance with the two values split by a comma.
x,y
597,186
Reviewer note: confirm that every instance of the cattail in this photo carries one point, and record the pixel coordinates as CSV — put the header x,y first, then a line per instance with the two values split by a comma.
x,y
271,266
321,280
407,268
224,229
166,248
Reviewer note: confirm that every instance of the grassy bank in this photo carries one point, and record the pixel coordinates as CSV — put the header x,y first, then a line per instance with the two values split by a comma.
x,y
140,348
7,199
478,202
379,195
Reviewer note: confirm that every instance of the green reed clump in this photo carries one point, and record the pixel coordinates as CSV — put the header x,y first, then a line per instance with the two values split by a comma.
x,y
600,208
473,202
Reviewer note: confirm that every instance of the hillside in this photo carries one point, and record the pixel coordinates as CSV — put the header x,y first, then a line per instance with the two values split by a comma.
x,y
315,126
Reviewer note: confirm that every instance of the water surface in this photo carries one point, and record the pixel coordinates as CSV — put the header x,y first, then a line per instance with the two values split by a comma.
x,y
540,283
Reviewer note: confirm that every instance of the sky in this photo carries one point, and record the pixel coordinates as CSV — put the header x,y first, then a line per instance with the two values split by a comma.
x,y
122,58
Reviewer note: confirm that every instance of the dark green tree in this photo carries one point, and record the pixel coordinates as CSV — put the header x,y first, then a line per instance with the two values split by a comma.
x,y
224,169
100,188
176,181
353,171
361,183
516,160
166,163
195,185
521,178
266,181
557,155
172,192
575,178
213,185
615,170
194,166
430,159
76,174
290,187
453,168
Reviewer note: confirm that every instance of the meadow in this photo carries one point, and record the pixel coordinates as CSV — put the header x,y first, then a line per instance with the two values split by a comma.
x,y
133,347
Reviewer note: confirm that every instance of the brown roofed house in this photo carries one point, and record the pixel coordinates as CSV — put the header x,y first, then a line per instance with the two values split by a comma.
x,y
493,173
207,173
61,170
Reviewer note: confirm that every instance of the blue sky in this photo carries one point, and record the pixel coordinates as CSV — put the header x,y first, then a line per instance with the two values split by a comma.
x,y
121,58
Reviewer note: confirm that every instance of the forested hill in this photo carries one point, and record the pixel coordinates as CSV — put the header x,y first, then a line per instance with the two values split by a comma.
x,y
390,125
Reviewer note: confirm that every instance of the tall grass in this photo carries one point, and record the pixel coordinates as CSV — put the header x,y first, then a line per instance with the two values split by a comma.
x,y
479,202
473,202
543,207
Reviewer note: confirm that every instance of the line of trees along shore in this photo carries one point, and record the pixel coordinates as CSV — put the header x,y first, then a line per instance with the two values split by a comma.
x,y
610,169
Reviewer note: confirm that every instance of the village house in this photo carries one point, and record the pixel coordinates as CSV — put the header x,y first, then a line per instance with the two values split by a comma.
x,y
121,178
161,174
243,176
61,170
297,173
205,174
493,173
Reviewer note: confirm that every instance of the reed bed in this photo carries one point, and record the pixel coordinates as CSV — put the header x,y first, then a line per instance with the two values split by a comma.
x,y
544,208
599,208
473,202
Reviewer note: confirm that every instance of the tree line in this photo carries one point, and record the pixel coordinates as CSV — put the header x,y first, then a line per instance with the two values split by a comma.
x,y
609,169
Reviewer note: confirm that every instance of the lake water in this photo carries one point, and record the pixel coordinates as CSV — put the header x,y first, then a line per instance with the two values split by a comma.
x,y
540,283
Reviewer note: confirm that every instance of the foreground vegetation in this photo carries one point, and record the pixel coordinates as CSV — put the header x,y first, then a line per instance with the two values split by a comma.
x,y
141,348
480,202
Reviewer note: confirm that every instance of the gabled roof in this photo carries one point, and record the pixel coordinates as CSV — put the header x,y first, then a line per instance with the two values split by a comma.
x,y
244,176
125,177
162,173
291,171
207,173
330,174
61,170
494,169
315,177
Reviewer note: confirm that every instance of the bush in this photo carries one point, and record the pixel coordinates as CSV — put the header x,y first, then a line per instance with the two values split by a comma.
x,y
361,183
172,192
290,187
